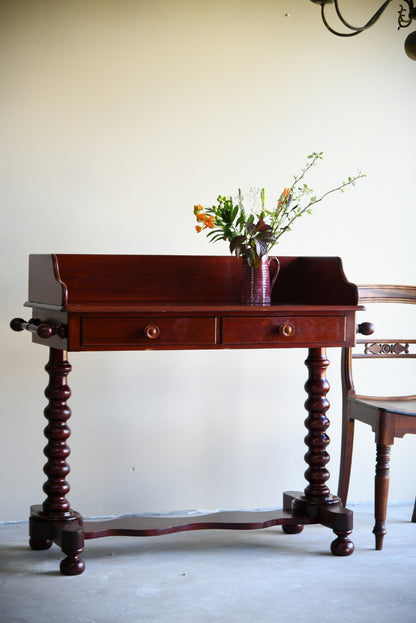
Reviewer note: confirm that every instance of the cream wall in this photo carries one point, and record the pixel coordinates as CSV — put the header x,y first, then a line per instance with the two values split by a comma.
x,y
118,116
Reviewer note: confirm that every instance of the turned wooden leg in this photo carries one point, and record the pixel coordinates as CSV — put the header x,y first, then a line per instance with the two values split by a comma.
x,y
317,493
381,493
317,423
57,412
48,521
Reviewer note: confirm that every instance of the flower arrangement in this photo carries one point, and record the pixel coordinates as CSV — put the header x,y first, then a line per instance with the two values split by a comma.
x,y
251,234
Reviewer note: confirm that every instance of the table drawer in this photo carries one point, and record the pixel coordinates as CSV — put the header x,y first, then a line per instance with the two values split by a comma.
x,y
284,330
130,331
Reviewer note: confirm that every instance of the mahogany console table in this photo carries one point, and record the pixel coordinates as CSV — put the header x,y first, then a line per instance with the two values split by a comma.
x,y
142,302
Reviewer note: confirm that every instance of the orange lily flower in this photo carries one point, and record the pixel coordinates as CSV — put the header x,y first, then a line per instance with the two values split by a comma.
x,y
283,198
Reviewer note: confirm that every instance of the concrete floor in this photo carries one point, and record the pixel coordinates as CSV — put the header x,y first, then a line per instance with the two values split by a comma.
x,y
218,576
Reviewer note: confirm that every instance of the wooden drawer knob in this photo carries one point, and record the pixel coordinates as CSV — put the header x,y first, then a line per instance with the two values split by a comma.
x,y
286,329
151,331
365,328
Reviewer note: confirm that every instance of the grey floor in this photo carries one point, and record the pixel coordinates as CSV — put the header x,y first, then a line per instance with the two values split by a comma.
x,y
197,577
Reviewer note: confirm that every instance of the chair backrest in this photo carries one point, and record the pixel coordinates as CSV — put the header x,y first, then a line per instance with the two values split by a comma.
x,y
396,347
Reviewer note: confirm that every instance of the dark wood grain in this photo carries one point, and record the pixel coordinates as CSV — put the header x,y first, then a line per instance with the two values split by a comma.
x,y
139,525
143,302
65,280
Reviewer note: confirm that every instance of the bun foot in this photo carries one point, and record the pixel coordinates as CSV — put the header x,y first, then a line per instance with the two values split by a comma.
x,y
342,546
39,544
72,564
292,529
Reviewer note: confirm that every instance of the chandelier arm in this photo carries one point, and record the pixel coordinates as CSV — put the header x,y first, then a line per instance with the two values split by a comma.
x,y
404,22
370,22
406,16
334,32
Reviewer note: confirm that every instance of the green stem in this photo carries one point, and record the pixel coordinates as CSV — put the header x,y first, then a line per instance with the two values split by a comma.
x,y
311,203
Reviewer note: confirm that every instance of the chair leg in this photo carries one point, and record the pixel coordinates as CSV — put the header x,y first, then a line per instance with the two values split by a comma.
x,y
347,442
381,493
414,513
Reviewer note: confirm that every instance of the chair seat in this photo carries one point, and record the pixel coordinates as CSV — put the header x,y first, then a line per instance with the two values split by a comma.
x,y
401,405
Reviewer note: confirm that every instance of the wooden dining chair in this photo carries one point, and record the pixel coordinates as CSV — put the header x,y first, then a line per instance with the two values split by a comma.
x,y
389,417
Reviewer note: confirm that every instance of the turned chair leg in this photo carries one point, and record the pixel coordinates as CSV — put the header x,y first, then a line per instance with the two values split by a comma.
x,y
381,493
347,442
414,513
